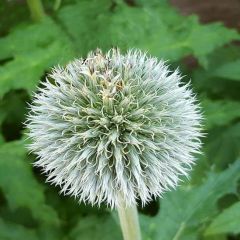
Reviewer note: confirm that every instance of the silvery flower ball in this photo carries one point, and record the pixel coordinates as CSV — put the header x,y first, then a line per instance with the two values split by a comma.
x,y
114,128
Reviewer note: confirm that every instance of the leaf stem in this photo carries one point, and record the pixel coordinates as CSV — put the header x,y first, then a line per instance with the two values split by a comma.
x,y
57,5
128,217
36,9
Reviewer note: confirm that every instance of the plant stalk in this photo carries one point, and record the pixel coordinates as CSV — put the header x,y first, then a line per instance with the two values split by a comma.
x,y
36,9
57,5
128,217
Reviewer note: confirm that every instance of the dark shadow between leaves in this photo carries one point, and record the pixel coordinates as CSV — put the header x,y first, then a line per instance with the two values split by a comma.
x,y
6,60
151,208
14,108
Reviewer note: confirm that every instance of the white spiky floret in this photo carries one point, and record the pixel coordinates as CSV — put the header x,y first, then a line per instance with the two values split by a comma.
x,y
115,125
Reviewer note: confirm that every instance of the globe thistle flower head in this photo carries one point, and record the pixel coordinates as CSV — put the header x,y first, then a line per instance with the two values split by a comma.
x,y
113,127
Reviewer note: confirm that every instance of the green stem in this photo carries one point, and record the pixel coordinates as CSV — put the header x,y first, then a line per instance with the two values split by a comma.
x,y
36,9
129,222
57,5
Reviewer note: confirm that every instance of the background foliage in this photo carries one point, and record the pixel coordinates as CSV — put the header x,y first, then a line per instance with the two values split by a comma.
x,y
205,207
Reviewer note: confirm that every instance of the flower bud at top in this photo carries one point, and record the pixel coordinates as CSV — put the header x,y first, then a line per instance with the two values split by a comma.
x,y
112,125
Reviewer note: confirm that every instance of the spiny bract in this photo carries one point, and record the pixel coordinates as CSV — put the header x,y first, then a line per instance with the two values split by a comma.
x,y
114,125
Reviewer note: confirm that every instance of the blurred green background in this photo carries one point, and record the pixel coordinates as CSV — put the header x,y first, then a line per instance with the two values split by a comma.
x,y
201,37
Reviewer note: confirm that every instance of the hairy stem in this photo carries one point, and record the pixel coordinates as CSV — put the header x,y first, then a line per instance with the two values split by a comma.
x,y
36,9
129,222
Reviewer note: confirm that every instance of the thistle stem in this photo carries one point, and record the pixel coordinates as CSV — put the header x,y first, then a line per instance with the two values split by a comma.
x,y
36,9
128,217
57,5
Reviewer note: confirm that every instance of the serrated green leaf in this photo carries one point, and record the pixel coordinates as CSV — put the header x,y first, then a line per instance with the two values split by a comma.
x,y
230,70
89,31
203,39
34,49
96,228
19,185
214,79
226,222
157,28
222,145
220,112
184,212
11,231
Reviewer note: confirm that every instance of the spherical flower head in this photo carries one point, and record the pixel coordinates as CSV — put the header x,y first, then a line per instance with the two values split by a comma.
x,y
113,127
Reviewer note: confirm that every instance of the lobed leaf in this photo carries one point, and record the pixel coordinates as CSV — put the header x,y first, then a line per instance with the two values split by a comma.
x,y
220,112
95,228
184,212
30,57
222,145
19,185
230,70
12,231
226,222
156,28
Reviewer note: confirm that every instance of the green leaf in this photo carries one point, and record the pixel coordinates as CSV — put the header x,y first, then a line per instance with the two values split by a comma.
x,y
220,78
157,28
90,30
203,39
220,112
222,145
10,14
96,228
217,237
226,222
230,70
11,231
19,185
183,213
34,49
